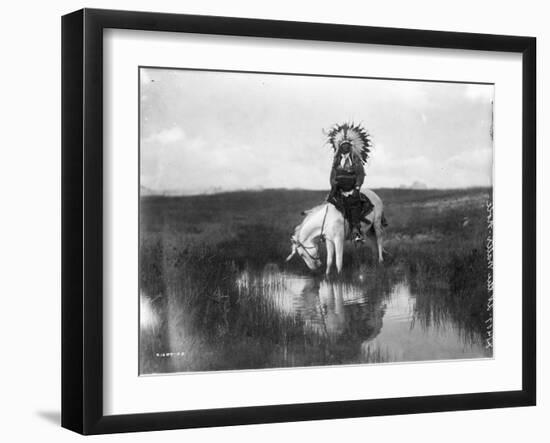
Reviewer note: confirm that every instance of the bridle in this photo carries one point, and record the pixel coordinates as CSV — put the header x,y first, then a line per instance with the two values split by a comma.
x,y
299,244
306,250
322,235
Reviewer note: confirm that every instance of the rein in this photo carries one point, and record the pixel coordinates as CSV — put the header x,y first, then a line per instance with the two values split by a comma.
x,y
321,236
299,243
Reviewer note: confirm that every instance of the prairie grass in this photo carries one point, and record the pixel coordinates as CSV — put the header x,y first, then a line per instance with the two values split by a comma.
x,y
193,250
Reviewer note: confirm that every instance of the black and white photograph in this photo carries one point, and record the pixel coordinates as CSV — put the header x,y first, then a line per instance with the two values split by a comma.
x,y
293,220
275,221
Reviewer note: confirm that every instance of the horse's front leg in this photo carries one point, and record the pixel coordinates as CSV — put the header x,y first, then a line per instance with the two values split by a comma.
x,y
379,232
339,252
330,255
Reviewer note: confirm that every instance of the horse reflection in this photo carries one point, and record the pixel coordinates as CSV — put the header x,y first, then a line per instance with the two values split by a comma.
x,y
322,307
342,312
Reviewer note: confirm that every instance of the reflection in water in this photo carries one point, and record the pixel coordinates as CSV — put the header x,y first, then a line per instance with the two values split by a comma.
x,y
323,305
148,317
407,339
271,319
362,323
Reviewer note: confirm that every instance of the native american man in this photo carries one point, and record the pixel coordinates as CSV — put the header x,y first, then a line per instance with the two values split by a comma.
x,y
351,145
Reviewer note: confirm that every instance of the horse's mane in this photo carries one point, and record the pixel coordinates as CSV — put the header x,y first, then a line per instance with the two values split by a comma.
x,y
308,213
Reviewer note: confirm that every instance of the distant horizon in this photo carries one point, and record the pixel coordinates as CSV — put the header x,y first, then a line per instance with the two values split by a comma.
x,y
176,193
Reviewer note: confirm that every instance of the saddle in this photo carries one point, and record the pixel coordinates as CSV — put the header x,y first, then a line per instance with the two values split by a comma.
x,y
338,200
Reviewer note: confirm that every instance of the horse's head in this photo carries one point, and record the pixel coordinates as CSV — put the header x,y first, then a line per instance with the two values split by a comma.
x,y
309,253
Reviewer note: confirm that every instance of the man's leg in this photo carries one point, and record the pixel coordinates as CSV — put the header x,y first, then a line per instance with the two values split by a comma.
x,y
353,210
355,214
335,197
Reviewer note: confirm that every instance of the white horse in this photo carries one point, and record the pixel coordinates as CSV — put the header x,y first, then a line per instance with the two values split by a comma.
x,y
328,222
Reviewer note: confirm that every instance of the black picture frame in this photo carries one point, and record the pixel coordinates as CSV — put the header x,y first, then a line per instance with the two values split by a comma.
x,y
82,220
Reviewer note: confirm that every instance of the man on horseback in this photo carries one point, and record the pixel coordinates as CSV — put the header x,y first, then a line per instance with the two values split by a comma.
x,y
351,145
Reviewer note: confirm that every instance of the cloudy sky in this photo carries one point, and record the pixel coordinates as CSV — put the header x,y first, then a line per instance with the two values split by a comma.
x,y
219,131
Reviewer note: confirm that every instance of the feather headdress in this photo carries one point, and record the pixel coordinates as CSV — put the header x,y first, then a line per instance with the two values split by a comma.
x,y
355,135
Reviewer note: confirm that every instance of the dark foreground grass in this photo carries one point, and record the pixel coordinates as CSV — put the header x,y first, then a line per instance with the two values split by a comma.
x,y
193,250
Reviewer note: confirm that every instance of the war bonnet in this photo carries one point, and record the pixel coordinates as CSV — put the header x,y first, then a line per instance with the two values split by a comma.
x,y
355,135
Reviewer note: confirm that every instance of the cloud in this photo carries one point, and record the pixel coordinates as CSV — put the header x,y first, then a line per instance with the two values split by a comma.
x,y
472,159
473,167
479,93
204,130
389,170
144,77
466,168
165,136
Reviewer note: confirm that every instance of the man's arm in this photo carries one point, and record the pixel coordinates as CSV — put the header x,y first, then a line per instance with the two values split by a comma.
x,y
360,173
333,177
333,171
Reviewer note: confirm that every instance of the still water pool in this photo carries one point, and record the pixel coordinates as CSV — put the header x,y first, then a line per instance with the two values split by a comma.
x,y
271,318
366,322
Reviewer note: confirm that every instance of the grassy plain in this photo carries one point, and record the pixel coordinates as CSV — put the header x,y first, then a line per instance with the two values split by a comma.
x,y
193,249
